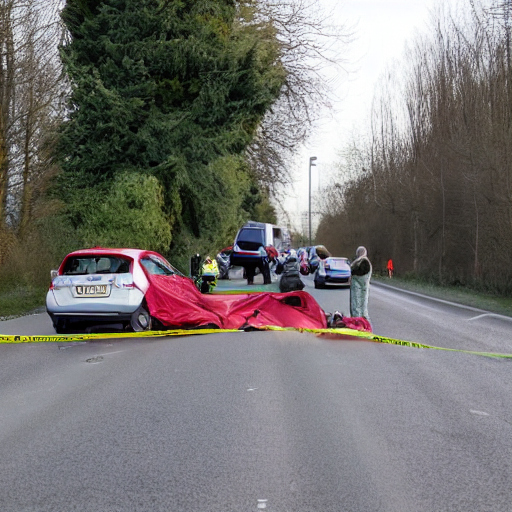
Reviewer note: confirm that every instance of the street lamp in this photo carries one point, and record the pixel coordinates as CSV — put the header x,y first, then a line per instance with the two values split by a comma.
x,y
311,160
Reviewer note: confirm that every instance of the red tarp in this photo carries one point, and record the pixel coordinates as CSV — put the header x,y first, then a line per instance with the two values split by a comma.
x,y
177,303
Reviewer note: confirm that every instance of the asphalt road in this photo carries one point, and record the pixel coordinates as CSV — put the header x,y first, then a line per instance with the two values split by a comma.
x,y
284,422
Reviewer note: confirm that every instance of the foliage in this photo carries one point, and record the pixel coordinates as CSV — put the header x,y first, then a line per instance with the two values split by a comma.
x,y
170,89
20,301
129,214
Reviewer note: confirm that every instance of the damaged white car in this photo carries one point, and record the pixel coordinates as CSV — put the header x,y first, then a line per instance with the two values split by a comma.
x,y
102,287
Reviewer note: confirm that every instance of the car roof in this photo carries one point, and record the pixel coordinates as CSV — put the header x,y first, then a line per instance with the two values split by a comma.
x,y
131,253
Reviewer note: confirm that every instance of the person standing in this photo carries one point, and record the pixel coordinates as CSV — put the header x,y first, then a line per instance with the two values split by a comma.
x,y
391,269
360,284
290,274
262,262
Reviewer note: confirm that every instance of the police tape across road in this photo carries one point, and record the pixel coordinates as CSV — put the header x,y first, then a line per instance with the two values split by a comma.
x,y
332,333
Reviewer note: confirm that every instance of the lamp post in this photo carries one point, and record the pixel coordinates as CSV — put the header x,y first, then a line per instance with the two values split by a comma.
x,y
311,164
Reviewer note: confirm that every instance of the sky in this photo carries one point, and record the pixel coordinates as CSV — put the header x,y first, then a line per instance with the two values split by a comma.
x,y
381,30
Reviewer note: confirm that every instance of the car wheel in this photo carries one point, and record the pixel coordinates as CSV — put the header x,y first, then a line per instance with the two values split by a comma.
x,y
141,320
318,285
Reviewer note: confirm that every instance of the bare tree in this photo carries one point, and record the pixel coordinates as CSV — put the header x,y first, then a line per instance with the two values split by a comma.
x,y
308,42
30,94
441,160
7,95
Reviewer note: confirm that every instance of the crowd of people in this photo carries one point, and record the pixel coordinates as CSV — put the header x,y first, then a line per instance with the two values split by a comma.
x,y
289,266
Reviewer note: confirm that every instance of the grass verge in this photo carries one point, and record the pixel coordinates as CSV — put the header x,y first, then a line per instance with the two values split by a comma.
x,y
21,301
488,302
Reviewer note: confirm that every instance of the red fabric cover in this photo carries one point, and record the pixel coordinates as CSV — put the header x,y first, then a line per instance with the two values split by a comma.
x,y
357,323
177,303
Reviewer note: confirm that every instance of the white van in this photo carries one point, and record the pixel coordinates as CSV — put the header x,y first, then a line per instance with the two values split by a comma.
x,y
253,236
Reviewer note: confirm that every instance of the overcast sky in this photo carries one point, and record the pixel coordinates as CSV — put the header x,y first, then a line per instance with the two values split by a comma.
x,y
381,30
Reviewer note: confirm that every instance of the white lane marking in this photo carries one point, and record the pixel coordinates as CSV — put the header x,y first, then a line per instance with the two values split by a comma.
x,y
252,389
489,314
479,413
262,504
435,299
423,296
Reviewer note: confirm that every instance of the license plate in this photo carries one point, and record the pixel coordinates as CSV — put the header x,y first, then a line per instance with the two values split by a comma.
x,y
97,290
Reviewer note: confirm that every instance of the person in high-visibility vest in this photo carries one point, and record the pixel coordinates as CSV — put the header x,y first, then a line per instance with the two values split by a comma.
x,y
207,279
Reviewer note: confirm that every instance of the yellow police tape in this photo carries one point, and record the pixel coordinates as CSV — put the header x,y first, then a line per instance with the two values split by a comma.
x,y
4,338
336,332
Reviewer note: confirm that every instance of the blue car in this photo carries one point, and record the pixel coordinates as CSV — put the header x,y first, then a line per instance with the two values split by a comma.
x,y
333,271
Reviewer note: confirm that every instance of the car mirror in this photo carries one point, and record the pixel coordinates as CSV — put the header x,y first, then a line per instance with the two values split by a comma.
x,y
54,273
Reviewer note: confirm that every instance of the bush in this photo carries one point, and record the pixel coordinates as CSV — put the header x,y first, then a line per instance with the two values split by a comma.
x,y
130,214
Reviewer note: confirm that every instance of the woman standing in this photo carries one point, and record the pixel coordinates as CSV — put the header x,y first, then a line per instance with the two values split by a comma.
x,y
360,284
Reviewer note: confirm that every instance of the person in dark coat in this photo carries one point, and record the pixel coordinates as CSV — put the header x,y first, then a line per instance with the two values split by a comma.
x,y
290,274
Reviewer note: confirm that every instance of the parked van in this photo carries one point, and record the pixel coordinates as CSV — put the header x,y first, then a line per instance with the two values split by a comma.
x,y
253,237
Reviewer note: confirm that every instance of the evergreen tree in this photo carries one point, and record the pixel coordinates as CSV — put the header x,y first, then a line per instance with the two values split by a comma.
x,y
170,88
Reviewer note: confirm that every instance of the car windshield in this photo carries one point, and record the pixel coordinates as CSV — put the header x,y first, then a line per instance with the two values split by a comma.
x,y
337,263
98,264
156,266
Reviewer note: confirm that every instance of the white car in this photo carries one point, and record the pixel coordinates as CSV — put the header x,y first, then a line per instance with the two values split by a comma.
x,y
103,286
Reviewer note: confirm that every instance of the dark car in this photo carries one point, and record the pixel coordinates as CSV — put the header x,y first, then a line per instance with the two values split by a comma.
x,y
332,271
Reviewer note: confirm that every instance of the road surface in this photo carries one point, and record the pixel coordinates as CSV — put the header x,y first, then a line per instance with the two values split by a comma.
x,y
283,422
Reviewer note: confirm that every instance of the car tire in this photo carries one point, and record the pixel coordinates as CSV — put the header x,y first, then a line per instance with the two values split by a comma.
x,y
141,320
318,285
